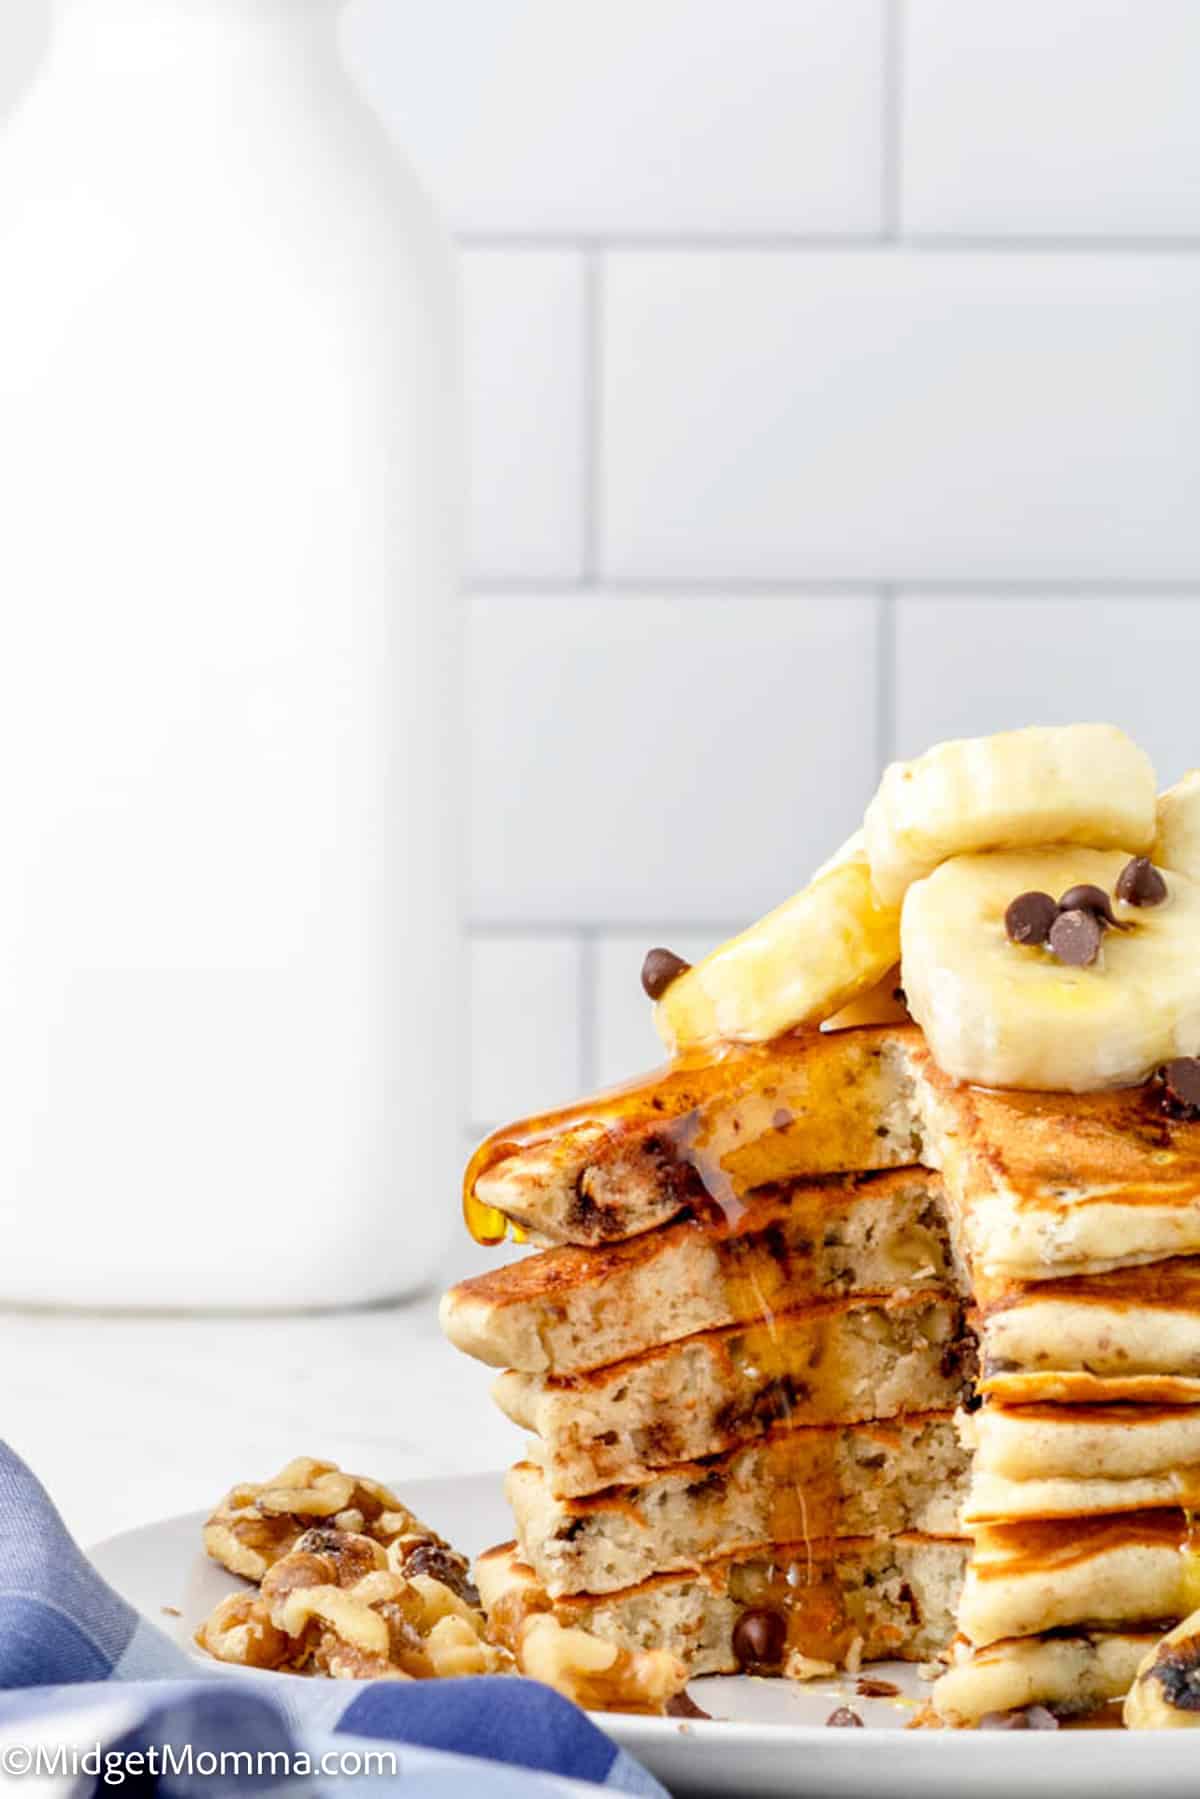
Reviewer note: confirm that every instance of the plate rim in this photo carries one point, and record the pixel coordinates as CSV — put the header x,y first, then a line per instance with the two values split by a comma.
x,y
647,1737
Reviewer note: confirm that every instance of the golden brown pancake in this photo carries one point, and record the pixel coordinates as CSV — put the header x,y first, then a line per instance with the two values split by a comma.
x,y
1064,1461
759,1258
859,1480
841,1362
1037,1184
1071,1673
571,1308
703,1130
1038,1575
894,1598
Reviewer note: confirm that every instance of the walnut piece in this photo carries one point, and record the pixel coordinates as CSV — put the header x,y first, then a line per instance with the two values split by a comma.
x,y
340,1605
259,1522
352,1586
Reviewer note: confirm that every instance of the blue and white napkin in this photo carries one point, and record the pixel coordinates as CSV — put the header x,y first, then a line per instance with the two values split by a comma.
x,y
94,1697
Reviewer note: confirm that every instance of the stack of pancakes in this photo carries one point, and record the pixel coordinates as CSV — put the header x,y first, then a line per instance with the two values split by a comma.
x,y
742,1356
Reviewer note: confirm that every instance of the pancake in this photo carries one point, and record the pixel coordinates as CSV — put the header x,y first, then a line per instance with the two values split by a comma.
x,y
572,1309
1071,1674
835,1481
709,1128
1036,1576
1038,1184
841,1362
756,1263
879,1599
1051,1184
1089,1389
1133,1333
1073,1461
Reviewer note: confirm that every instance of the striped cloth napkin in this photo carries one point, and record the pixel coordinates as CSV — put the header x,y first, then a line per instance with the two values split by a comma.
x,y
94,1697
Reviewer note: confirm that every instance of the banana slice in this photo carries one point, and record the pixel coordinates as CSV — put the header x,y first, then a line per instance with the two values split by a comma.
x,y
800,964
881,1004
1003,1014
1087,784
1178,842
1166,1688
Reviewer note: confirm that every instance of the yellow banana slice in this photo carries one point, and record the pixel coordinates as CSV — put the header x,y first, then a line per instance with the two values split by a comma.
x,y
1165,1694
1003,1014
799,965
1086,784
1178,842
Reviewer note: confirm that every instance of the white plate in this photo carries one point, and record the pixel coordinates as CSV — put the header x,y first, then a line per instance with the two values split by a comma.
x,y
768,1737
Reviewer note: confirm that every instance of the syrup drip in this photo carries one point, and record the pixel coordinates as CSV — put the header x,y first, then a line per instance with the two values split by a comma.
x,y
617,1111
728,1114
734,1113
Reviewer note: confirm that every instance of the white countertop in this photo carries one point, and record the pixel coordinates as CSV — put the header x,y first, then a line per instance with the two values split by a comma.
x,y
127,1419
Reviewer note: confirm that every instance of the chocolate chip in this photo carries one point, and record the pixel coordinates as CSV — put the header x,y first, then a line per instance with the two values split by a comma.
x,y
1029,918
1140,884
682,1705
1180,1081
877,1689
844,1719
759,1638
1075,938
1087,898
660,968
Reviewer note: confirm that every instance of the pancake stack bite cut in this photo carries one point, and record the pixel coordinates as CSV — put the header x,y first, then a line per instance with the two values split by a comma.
x,y
869,1326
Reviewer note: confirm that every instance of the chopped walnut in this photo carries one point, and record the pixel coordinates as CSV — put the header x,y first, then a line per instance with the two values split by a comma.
x,y
257,1523
354,1587
333,1606
598,1675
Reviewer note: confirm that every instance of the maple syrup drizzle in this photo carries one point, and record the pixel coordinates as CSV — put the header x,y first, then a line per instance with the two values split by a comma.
x,y
722,1118
720,1110
670,1091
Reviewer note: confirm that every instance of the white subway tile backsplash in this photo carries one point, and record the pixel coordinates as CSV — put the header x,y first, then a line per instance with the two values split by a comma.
x,y
523,320
970,664
626,1042
633,116
641,756
735,435
1031,119
901,416
525,1025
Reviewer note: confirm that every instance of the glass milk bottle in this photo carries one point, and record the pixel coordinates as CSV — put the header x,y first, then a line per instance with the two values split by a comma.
x,y
228,673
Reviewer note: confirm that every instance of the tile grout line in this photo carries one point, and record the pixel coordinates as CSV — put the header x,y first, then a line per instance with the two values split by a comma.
x,y
735,587
592,422
820,242
885,677
891,132
587,1006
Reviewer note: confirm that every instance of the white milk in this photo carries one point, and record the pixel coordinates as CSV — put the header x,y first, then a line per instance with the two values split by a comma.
x,y
228,674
